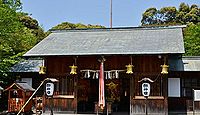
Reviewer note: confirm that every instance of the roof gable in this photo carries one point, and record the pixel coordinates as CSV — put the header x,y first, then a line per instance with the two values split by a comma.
x,y
111,41
22,85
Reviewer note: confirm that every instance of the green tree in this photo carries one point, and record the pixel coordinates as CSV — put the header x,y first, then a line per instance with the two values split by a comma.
x,y
33,25
168,15
68,25
171,16
192,40
13,4
188,14
150,17
15,40
28,21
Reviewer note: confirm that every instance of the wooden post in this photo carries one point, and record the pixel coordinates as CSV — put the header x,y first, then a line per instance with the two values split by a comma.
x,y
51,104
76,92
165,94
193,103
9,101
146,111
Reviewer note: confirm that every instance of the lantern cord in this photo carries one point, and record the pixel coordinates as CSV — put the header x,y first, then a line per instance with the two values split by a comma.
x,y
131,60
75,60
156,77
165,60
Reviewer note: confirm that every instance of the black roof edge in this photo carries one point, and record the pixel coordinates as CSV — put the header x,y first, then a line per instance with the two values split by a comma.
x,y
41,57
191,57
118,28
33,57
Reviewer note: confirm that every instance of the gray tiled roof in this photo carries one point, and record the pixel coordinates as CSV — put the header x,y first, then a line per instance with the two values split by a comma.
x,y
31,65
25,86
187,63
111,41
191,65
21,85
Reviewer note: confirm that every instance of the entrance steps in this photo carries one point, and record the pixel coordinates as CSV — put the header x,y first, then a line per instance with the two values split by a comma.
x,y
117,113
66,114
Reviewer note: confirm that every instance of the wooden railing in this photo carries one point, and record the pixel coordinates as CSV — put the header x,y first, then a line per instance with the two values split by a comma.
x,y
155,104
61,103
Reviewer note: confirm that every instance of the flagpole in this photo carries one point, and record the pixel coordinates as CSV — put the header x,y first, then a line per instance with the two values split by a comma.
x,y
110,13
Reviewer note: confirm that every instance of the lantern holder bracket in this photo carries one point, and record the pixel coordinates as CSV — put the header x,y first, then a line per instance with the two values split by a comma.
x,y
146,79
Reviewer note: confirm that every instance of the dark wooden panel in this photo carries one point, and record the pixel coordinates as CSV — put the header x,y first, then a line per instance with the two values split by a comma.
x,y
58,64
142,64
181,105
60,104
154,106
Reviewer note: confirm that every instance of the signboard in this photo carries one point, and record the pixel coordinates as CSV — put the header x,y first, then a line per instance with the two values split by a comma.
x,y
196,95
145,89
49,89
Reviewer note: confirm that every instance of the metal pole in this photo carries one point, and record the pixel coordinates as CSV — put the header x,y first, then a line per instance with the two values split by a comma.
x,y
193,103
110,13
107,109
161,87
146,112
97,109
193,108
31,96
51,105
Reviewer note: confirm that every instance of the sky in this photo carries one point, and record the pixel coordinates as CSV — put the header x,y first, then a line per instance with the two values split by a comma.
x,y
126,13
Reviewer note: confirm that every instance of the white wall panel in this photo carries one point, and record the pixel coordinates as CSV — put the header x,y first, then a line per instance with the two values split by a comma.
x,y
174,89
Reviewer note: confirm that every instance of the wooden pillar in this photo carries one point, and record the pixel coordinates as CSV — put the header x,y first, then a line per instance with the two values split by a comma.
x,y
165,93
75,93
9,109
131,91
24,100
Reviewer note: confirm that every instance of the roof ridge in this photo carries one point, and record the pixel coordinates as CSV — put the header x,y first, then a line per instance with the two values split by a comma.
x,y
117,28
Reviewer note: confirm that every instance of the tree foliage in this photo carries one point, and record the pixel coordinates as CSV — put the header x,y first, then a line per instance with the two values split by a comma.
x,y
33,25
13,4
18,33
171,16
67,25
192,40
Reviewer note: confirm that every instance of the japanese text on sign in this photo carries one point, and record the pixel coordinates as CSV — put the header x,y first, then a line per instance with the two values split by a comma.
x,y
145,89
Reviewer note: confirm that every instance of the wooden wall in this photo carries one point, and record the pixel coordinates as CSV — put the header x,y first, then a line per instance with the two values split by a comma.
x,y
144,66
149,67
184,105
